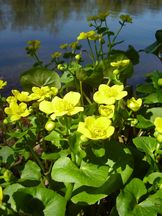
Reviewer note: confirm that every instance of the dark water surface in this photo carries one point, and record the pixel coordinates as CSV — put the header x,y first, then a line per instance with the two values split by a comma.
x,y
55,22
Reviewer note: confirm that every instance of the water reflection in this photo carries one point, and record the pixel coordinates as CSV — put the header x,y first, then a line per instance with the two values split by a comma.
x,y
35,14
58,21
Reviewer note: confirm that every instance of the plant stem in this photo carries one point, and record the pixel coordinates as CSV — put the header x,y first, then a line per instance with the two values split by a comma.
x,y
69,191
91,51
36,157
81,92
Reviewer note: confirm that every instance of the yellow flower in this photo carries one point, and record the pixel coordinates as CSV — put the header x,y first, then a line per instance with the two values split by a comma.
x,y
11,99
158,124
64,46
21,96
126,18
62,106
16,111
120,63
106,110
108,95
34,44
56,55
95,128
134,104
2,84
1,195
91,35
43,92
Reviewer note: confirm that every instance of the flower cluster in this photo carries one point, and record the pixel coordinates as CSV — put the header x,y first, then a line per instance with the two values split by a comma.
x,y
18,101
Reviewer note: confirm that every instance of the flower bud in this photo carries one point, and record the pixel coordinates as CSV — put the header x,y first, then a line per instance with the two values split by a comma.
x,y
160,82
49,125
78,57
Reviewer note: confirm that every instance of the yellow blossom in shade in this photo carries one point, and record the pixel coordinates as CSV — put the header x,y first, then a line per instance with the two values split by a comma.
x,y
91,35
62,106
95,128
120,63
56,55
2,84
64,46
43,92
1,195
158,124
134,104
108,95
126,18
21,96
106,110
16,111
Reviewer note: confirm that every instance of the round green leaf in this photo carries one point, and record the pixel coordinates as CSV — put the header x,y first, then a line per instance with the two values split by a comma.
x,y
39,77
31,171
64,170
39,201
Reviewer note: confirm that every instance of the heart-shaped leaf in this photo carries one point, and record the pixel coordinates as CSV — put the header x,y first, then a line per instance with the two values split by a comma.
x,y
39,77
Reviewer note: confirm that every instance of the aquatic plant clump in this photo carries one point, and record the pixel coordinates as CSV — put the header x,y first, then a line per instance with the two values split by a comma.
x,y
76,140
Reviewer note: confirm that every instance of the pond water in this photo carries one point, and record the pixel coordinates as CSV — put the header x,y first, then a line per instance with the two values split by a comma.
x,y
56,22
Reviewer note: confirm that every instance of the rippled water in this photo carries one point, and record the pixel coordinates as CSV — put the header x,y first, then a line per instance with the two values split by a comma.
x,y
55,22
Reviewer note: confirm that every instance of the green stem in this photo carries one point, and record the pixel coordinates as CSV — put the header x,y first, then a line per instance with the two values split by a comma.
x,y
114,39
91,51
81,92
36,157
87,98
37,58
69,191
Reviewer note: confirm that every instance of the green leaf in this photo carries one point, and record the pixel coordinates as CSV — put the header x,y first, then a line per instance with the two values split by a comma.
x,y
31,171
7,154
90,75
155,112
120,163
158,35
151,99
54,138
152,177
39,201
129,200
145,88
132,54
39,77
64,170
146,144
143,122
55,155
9,191
66,77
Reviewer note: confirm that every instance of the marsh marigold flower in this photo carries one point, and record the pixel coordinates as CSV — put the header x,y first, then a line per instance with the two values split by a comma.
x,y
40,93
2,84
91,35
21,96
95,128
126,18
16,111
134,104
62,106
106,110
108,95
158,124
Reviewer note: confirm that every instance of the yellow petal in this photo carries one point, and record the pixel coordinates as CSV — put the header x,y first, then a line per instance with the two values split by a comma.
x,y
72,97
46,107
